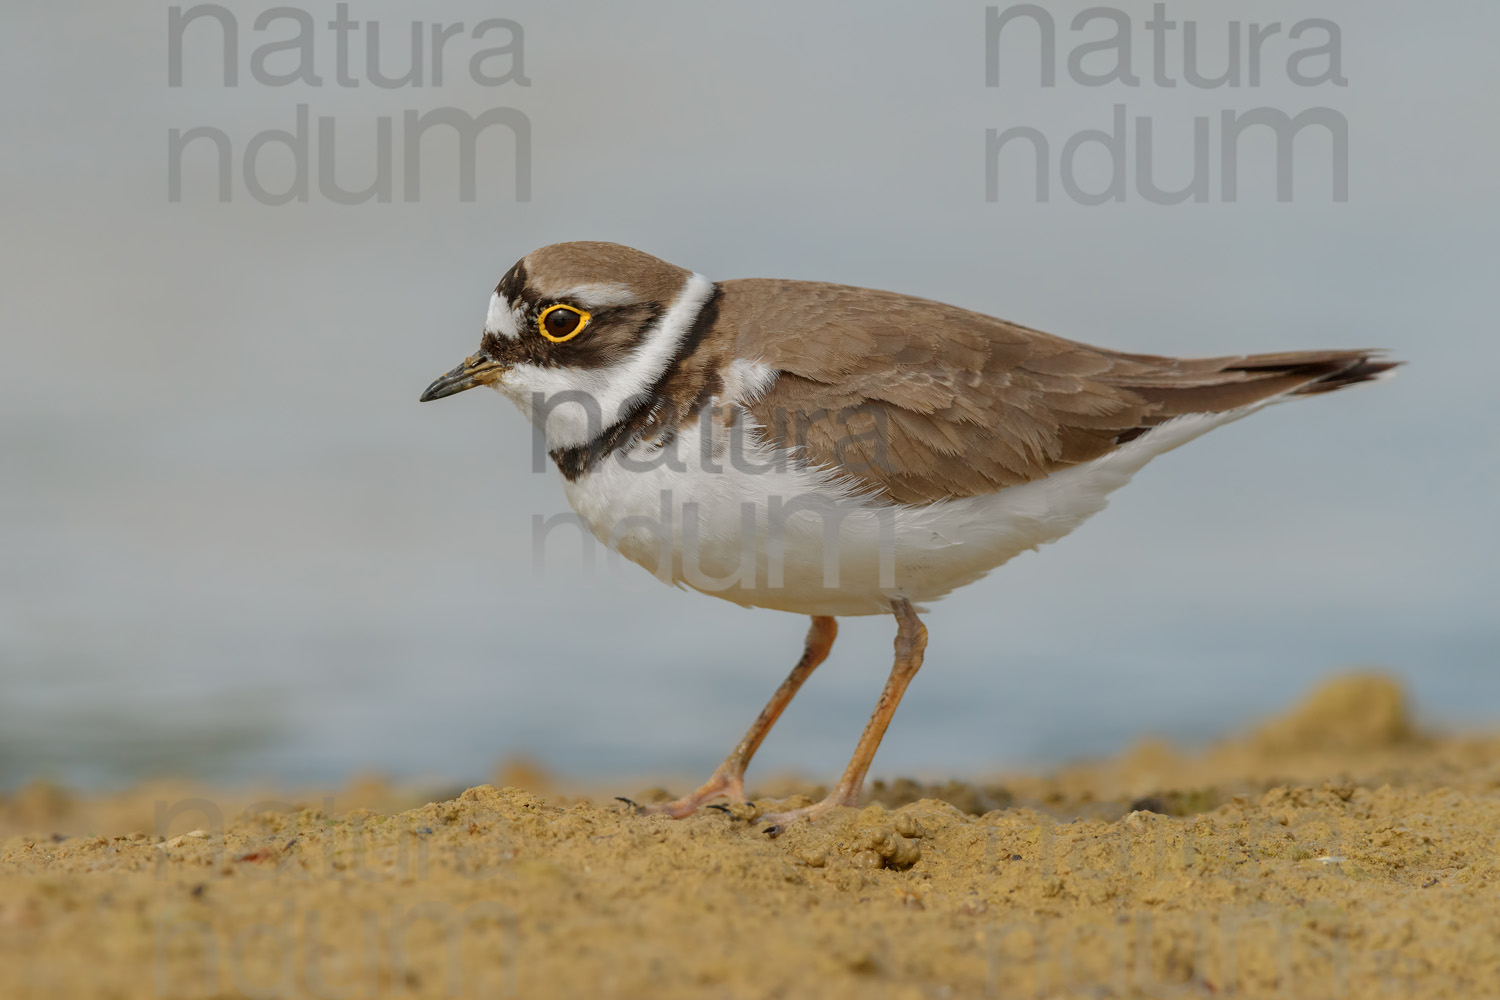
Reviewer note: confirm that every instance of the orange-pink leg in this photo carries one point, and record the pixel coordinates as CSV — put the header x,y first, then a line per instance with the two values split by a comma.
x,y
729,779
911,641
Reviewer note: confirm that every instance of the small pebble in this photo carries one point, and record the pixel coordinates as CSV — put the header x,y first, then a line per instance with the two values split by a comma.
x,y
190,835
894,850
909,826
812,857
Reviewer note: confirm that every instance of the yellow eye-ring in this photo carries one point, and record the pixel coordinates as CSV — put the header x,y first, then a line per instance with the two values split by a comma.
x,y
559,323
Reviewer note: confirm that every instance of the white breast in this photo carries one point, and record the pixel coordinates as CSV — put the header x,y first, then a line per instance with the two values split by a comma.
x,y
743,521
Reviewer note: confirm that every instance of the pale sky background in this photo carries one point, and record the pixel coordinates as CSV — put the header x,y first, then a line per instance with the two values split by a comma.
x,y
233,544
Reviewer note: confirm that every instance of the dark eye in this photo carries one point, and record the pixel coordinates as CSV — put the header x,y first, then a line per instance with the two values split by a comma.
x,y
560,323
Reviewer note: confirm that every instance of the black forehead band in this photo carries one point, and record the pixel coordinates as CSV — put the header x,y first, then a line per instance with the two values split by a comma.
x,y
513,285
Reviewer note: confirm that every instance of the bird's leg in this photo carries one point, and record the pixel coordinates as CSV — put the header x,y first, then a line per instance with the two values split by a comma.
x,y
911,641
729,779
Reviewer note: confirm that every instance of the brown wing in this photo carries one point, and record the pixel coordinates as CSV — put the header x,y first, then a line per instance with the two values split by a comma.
x,y
927,401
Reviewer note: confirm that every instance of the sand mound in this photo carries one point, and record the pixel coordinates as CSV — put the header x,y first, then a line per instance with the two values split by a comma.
x,y
1357,712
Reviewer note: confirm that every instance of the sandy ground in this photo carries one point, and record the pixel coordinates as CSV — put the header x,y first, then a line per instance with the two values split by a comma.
x,y
1334,852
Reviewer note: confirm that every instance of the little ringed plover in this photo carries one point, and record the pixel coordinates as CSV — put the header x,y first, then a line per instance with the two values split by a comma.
x,y
829,450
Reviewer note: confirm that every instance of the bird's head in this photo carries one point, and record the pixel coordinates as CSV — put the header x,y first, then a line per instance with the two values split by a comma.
x,y
591,324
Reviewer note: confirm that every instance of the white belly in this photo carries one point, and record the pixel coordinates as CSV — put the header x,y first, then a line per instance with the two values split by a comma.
x,y
799,540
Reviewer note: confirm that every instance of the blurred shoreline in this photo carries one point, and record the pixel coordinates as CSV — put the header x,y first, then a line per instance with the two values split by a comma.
x,y
1335,849
1356,724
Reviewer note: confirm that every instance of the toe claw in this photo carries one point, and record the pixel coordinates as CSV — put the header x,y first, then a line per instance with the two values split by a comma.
x,y
721,807
631,803
773,831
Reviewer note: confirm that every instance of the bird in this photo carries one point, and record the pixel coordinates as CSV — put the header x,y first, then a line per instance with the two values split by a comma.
x,y
834,451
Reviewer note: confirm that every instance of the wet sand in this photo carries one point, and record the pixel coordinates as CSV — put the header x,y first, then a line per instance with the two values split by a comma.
x,y
1333,852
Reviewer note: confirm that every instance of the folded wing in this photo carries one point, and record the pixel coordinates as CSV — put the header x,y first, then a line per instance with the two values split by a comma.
x,y
924,401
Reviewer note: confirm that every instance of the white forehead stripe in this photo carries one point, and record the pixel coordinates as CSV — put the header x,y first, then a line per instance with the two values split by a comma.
x,y
501,320
599,294
607,391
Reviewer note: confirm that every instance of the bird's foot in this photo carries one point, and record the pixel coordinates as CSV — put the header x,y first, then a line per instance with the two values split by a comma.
x,y
731,787
776,823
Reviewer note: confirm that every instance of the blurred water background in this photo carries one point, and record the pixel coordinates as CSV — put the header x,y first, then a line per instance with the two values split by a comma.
x,y
233,545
